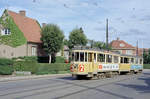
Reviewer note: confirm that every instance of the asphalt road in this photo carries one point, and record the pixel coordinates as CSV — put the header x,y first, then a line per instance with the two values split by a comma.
x,y
65,87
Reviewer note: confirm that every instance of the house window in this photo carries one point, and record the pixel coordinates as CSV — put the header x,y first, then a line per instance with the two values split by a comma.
x,y
129,52
5,32
34,51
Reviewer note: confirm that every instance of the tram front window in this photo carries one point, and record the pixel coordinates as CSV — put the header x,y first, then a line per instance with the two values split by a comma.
x,y
81,56
72,58
76,56
85,56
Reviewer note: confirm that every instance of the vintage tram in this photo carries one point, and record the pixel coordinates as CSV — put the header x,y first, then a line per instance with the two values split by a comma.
x,y
91,63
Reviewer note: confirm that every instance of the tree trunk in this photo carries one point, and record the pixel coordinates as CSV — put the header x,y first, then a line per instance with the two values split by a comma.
x,y
50,58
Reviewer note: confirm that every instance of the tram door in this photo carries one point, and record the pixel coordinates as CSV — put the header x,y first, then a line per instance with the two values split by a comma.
x,y
90,61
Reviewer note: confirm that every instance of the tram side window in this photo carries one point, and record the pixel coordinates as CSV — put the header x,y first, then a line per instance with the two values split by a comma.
x,y
94,57
85,56
136,61
121,60
76,56
132,60
81,56
72,57
101,57
89,57
116,60
126,60
141,61
109,58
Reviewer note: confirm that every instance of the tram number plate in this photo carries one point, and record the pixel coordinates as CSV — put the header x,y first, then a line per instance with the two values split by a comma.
x,y
81,68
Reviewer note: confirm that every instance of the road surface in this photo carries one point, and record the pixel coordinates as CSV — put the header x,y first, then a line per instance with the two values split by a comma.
x,y
65,87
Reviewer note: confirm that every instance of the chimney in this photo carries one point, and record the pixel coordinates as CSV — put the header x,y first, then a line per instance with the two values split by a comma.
x,y
43,24
22,12
118,38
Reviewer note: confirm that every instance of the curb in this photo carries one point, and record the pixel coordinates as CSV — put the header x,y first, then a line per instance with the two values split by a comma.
x,y
16,78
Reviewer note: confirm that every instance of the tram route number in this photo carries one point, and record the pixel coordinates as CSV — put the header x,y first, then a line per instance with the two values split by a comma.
x,y
81,68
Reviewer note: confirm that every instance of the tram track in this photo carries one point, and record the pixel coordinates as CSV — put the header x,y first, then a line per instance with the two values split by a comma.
x,y
101,85
68,84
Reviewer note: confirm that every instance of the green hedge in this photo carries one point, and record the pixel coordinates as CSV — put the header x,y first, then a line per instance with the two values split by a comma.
x,y
146,66
53,68
6,70
6,62
41,68
26,66
60,59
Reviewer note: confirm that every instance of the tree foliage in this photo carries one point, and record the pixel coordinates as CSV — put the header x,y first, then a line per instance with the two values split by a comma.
x,y
52,38
146,56
98,44
77,37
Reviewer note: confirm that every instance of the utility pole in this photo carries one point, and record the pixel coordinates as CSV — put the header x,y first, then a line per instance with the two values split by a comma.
x,y
107,34
137,52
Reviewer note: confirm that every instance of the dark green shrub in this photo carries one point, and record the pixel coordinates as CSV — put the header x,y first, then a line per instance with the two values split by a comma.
x,y
60,59
44,59
6,62
31,66
6,70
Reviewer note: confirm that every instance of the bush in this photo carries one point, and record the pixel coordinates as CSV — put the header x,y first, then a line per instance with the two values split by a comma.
x,y
6,70
53,68
60,59
31,66
6,62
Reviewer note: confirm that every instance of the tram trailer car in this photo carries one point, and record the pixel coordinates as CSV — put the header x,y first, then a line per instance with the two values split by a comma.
x,y
97,63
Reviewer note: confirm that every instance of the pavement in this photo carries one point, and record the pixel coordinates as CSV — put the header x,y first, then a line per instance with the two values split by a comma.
x,y
14,78
66,87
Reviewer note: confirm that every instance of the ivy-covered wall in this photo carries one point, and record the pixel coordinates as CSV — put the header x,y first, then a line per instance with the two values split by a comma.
x,y
16,38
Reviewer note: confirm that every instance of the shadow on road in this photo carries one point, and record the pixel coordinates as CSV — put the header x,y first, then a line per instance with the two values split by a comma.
x,y
141,88
67,78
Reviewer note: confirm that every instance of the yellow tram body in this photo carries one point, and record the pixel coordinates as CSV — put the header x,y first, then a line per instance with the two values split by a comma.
x,y
92,62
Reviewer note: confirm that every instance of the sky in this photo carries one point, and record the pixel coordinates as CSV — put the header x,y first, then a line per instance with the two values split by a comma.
x,y
128,19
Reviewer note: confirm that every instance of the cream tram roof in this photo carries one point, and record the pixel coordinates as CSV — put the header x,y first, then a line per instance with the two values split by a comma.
x,y
88,49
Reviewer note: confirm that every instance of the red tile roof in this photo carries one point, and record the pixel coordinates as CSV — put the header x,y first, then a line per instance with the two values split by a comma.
x,y
120,44
28,26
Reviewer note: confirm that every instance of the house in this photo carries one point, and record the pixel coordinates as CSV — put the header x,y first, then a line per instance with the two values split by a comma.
x,y
123,47
19,35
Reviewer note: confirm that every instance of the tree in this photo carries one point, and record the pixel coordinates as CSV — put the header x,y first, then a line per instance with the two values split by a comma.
x,y
98,44
145,57
65,42
52,38
77,37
